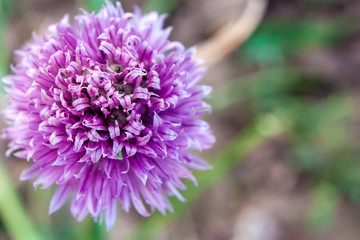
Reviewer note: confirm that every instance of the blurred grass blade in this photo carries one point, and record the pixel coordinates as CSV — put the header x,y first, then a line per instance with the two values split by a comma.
x,y
3,56
276,40
12,212
267,82
267,127
323,207
239,90
94,5
89,230
160,6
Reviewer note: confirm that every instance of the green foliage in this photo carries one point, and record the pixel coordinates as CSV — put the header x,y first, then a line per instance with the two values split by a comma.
x,y
276,40
160,6
309,158
5,6
345,174
12,212
325,199
95,5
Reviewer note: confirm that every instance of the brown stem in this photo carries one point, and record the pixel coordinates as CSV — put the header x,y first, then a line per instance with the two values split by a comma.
x,y
232,34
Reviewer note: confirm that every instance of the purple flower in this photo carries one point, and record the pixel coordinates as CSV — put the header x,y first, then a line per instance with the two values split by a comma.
x,y
107,110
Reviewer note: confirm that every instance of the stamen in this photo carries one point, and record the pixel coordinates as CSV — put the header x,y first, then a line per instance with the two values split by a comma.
x,y
143,82
119,116
123,88
116,68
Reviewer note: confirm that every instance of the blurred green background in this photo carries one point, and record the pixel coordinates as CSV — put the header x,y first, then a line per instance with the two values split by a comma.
x,y
286,162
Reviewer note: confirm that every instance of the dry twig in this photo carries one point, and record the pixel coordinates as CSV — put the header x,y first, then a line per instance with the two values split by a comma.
x,y
233,33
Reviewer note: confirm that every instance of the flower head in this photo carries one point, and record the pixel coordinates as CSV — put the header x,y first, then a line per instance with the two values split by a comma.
x,y
107,110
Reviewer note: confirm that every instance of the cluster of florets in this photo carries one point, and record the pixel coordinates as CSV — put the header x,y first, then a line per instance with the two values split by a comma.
x,y
107,110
